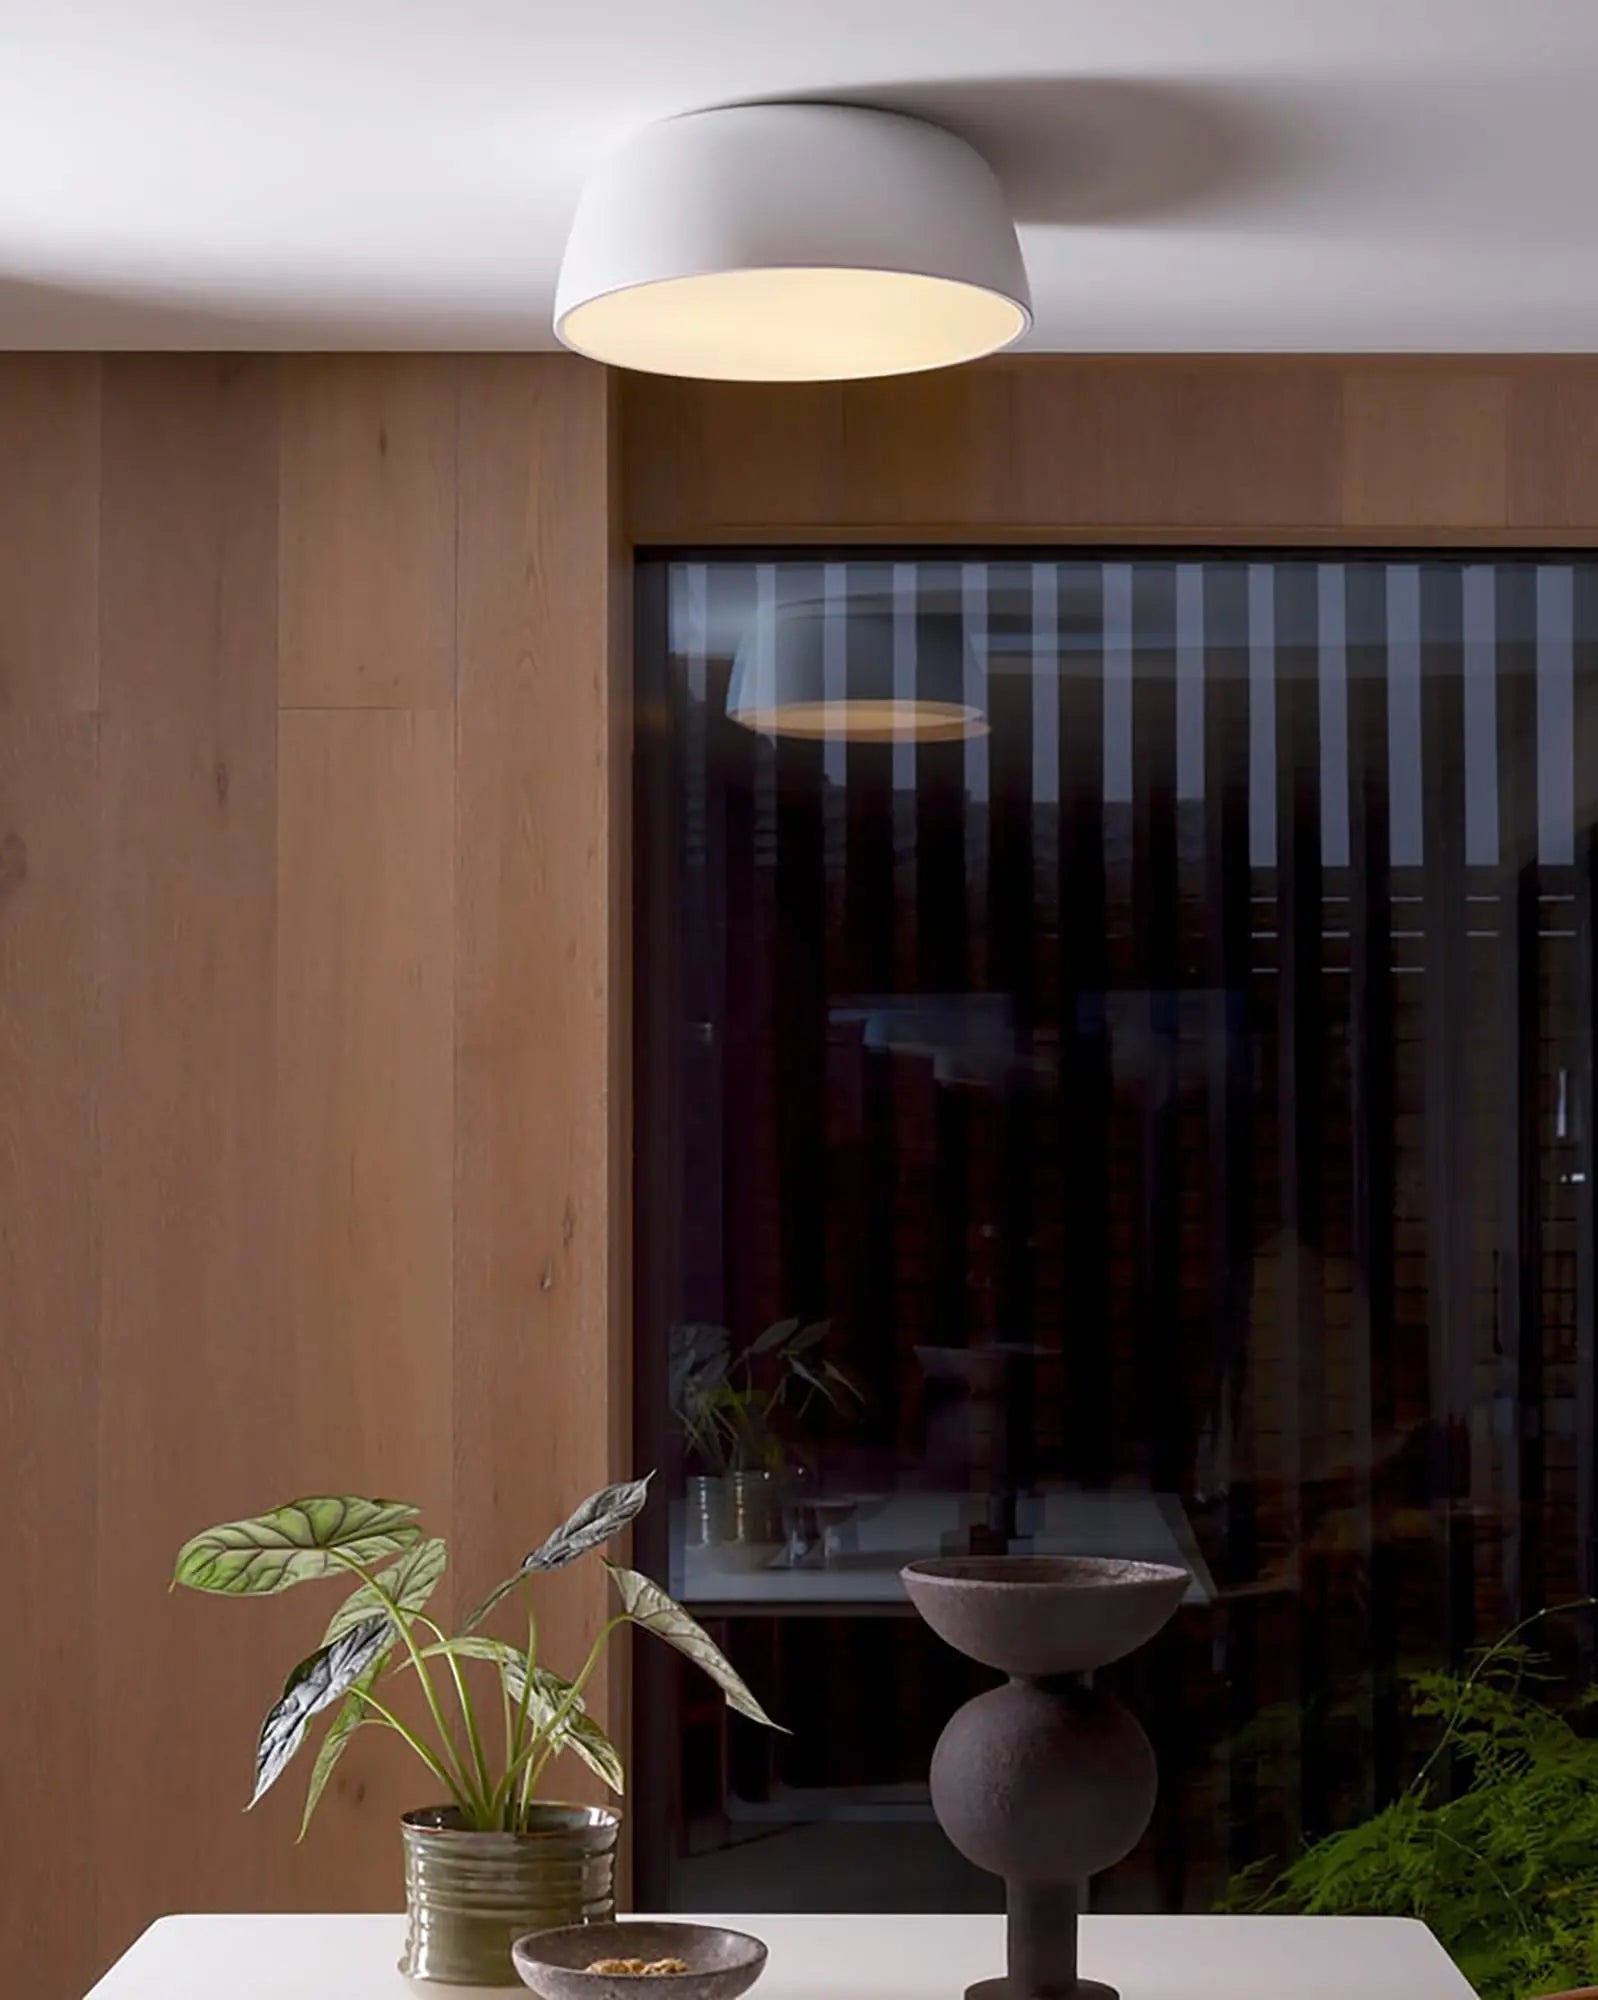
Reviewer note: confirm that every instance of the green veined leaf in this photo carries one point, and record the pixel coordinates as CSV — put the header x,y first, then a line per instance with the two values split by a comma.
x,y
646,1604
337,1740
583,1737
579,1732
315,1684
292,1544
410,1583
602,1515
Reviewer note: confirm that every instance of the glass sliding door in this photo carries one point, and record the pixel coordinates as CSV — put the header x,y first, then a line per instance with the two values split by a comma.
x,y
1115,1076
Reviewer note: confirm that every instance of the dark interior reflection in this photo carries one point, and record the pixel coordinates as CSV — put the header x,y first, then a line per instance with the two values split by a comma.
x,y
1152,1118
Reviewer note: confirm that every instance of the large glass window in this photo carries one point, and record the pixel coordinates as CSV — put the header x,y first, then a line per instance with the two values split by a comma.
x,y
1143,1108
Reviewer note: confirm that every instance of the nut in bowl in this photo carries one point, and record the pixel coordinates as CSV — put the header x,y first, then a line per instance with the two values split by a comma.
x,y
639,1961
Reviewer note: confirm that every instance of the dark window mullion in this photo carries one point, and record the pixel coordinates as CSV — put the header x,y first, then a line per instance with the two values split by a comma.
x,y
1300,1100
1448,1274
1519,1008
1372,1121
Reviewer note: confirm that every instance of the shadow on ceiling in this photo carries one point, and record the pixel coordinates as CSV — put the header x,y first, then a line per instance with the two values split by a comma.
x,y
1077,149
119,317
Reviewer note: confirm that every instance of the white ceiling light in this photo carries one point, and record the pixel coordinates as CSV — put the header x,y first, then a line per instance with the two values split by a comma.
x,y
809,674
792,243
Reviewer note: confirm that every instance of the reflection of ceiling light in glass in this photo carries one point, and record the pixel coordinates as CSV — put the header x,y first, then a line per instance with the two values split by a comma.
x,y
792,243
854,677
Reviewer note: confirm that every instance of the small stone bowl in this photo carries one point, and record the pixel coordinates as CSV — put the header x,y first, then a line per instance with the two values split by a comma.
x,y
722,1965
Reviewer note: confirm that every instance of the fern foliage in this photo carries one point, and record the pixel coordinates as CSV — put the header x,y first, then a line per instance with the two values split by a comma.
x,y
1494,1844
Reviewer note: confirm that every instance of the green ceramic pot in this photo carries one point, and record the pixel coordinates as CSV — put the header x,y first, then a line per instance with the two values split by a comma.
x,y
468,1895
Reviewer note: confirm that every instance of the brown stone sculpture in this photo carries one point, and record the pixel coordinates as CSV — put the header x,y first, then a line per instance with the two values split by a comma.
x,y
1043,1780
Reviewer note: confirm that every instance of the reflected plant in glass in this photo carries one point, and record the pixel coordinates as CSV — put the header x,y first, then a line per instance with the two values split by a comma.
x,y
739,1410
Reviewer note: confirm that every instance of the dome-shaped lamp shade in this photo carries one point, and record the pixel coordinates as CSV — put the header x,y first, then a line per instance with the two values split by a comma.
x,y
792,243
864,687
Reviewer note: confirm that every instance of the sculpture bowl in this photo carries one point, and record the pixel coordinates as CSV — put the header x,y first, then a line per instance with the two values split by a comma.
x,y
1034,1616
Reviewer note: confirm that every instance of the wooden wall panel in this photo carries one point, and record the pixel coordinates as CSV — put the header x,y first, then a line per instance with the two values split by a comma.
x,y
367,578
365,1133
194,1403
1315,449
1553,444
1154,444
542,1162
730,455
230,1148
48,1308
1424,449
941,444
365,1095
49,522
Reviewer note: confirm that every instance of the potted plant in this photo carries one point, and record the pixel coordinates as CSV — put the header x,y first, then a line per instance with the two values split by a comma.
x,y
731,1409
1493,1843
493,1859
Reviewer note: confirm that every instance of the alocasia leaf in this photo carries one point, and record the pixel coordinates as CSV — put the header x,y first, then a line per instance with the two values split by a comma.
x,y
601,1516
698,1360
647,1605
776,1335
337,1739
315,1684
293,1544
409,1583
583,1737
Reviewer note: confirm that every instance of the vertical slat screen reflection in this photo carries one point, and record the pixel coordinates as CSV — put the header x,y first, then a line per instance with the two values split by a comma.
x,y
1083,1105
1178,1093
1372,1135
1518,1287
1445,1078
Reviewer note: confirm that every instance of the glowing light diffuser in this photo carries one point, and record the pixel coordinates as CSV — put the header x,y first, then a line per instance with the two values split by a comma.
x,y
792,243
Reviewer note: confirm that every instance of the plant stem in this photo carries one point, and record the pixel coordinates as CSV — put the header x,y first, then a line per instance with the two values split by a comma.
x,y
387,1715
517,1746
468,1714
461,1786
1417,1783
572,1699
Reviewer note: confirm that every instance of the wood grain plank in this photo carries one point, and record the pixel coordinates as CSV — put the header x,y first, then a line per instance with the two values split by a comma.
x,y
1425,445
541,1162
48,1376
1553,443
934,447
365,1115
1036,444
195,1403
49,523
724,454
1176,443
367,584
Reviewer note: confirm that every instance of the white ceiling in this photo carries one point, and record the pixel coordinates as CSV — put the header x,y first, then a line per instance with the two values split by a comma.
x,y
1187,174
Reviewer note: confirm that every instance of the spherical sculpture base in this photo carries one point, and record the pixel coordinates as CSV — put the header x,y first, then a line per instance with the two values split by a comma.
x,y
1043,1781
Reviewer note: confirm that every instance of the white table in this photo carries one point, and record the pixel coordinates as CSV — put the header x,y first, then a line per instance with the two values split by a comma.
x,y
837,1958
